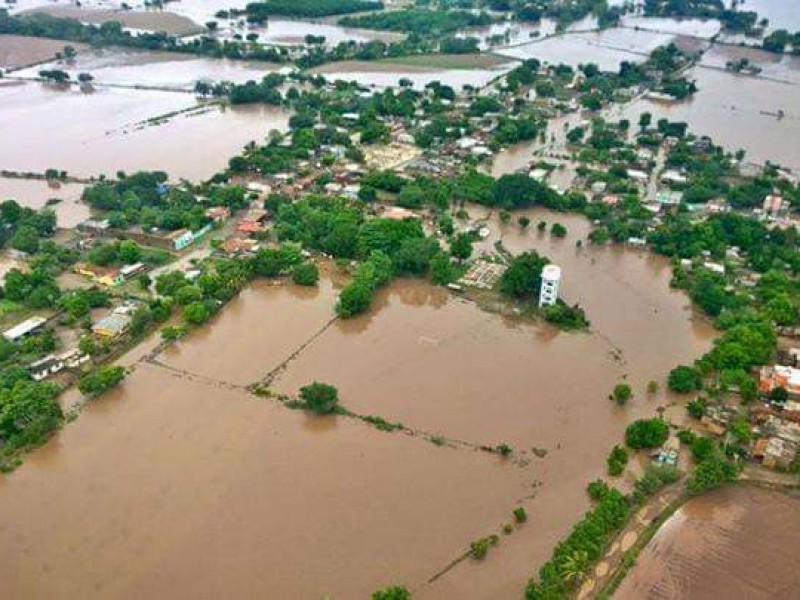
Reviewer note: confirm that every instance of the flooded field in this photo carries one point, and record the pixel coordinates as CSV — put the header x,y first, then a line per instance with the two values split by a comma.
x,y
606,48
739,111
383,74
735,542
291,32
36,193
172,488
702,28
113,129
514,33
167,70
289,316
19,51
782,14
167,22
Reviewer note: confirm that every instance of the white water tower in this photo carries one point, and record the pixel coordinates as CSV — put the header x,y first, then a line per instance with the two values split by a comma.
x,y
551,281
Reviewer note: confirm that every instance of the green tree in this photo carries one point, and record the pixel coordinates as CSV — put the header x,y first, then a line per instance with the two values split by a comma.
x,y
523,278
622,393
395,592
646,433
320,398
617,460
354,299
101,380
461,246
684,379
306,274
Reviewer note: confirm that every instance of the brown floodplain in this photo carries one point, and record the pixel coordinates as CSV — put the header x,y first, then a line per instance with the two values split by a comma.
x,y
173,488
256,332
18,51
738,543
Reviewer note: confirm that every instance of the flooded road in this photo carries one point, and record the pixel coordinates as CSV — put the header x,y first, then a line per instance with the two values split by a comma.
x,y
739,543
36,193
113,129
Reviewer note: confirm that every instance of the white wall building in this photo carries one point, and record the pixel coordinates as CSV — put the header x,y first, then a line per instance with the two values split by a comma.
x,y
551,282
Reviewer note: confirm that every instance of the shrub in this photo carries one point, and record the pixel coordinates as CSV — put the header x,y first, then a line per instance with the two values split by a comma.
x,y
597,490
101,380
703,448
686,436
617,461
622,393
697,408
520,515
320,398
396,592
646,433
711,473
306,274
480,548
683,379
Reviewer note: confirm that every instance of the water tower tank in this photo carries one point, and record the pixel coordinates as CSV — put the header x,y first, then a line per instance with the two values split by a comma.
x,y
551,281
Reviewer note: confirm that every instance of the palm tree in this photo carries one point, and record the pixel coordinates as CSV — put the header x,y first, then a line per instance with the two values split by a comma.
x,y
575,566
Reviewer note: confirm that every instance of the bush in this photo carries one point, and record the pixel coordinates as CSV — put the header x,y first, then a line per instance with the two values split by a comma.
x,y
697,408
686,436
622,393
101,380
597,490
683,379
703,448
617,461
396,592
646,433
480,548
306,274
558,230
520,516
711,473
320,398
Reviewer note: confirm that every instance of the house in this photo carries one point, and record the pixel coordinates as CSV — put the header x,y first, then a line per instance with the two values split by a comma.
x,y
181,238
111,326
54,363
672,176
128,271
775,452
103,275
637,175
237,246
24,329
779,376
253,221
218,214
397,213
669,197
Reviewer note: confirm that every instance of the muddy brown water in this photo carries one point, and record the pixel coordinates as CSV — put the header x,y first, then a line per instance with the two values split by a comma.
x,y
36,193
163,70
736,543
18,51
88,134
169,488
180,484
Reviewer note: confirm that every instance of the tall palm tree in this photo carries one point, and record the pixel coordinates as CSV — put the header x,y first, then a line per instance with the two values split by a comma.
x,y
574,567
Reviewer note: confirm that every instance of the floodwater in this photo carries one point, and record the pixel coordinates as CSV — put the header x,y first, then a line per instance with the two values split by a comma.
x,y
172,71
782,14
735,542
234,348
43,126
17,51
290,32
173,488
382,75
607,48
180,484
514,33
35,194
740,111
702,28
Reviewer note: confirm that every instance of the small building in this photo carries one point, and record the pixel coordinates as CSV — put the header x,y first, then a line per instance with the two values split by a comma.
x,y
128,271
237,246
181,238
112,326
775,452
103,275
637,175
779,376
551,283
672,176
24,329
669,197
218,214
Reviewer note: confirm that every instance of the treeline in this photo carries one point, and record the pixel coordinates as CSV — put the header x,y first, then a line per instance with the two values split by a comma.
x,y
113,34
310,8
420,22
145,199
